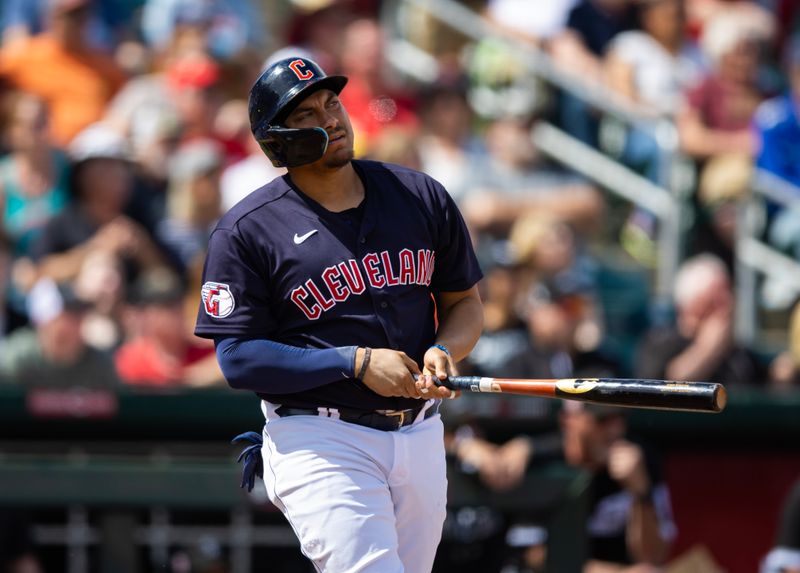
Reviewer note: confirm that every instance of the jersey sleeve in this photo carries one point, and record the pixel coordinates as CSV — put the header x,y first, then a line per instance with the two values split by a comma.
x,y
456,268
234,298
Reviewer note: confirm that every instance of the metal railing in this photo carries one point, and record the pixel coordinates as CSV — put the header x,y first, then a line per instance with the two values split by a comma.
x,y
753,256
464,20
629,185
666,198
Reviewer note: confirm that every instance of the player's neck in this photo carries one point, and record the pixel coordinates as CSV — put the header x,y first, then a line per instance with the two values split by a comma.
x,y
335,189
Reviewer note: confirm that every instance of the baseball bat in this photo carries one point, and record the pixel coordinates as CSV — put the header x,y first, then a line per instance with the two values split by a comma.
x,y
632,393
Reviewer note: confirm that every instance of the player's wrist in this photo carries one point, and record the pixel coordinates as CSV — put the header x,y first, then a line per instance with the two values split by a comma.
x,y
362,359
441,347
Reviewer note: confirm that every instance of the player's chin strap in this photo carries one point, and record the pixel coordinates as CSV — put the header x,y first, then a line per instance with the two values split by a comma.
x,y
253,462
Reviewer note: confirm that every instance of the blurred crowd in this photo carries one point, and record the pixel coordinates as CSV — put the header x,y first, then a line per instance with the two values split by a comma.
x,y
124,136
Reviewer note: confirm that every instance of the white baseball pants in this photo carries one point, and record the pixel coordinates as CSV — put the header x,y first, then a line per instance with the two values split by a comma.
x,y
359,500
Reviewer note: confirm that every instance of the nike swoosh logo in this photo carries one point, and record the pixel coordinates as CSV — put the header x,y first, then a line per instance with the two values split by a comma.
x,y
298,239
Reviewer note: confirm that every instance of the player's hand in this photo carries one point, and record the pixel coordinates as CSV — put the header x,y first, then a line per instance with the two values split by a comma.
x,y
626,466
436,365
391,373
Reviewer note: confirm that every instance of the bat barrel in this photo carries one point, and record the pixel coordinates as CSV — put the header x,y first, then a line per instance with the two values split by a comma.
x,y
657,394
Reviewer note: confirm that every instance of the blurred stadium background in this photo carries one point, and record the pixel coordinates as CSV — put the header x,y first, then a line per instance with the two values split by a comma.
x,y
628,169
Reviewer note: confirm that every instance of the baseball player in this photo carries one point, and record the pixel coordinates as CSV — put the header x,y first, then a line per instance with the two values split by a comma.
x,y
326,291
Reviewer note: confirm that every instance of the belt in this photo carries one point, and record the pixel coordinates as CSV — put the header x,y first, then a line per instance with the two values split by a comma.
x,y
386,420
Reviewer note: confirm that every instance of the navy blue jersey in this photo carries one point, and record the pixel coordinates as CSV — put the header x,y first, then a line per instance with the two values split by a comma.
x,y
282,267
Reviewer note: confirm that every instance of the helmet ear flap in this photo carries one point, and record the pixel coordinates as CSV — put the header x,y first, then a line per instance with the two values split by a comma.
x,y
288,147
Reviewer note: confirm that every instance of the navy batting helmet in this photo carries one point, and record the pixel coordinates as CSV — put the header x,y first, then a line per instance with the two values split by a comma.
x,y
277,91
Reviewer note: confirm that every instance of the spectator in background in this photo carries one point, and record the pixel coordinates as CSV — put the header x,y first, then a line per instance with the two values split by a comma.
x,y
540,322
563,331
724,183
59,57
34,187
194,199
535,26
777,123
697,13
371,101
185,93
630,525
110,21
527,545
514,181
232,128
34,175
246,175
160,349
560,279
700,346
96,220
700,12
500,82
398,145
654,65
784,557
225,28
504,333
192,86
785,369
52,352
447,145
154,133
579,50
101,283
317,28
159,111
719,110
591,25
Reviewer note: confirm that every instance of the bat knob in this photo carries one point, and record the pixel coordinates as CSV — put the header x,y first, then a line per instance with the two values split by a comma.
x,y
720,398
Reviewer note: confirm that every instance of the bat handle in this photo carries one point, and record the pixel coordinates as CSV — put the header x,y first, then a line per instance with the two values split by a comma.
x,y
463,383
